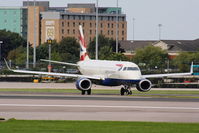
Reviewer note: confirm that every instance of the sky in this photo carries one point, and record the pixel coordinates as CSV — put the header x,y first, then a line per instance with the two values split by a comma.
x,y
179,18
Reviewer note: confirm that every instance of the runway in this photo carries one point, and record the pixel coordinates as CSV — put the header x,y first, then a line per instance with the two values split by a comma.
x,y
114,108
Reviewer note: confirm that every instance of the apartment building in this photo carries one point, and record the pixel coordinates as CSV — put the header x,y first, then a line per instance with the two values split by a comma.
x,y
37,21
14,19
57,25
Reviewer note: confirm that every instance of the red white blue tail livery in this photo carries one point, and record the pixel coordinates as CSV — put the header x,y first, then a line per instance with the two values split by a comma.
x,y
83,52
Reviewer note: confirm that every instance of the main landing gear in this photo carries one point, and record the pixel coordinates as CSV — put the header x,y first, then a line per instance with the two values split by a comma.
x,y
126,90
87,91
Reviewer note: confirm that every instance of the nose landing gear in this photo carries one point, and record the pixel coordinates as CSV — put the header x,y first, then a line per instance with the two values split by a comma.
x,y
126,90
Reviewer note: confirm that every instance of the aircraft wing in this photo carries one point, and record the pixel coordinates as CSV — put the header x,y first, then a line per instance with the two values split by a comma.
x,y
55,74
169,74
165,75
58,62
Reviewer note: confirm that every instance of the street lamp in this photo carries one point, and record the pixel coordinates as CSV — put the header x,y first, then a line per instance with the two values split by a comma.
x,y
1,42
117,13
34,44
133,29
49,41
160,26
27,49
96,42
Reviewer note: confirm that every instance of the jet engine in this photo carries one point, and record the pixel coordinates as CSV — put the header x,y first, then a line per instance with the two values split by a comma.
x,y
144,85
83,84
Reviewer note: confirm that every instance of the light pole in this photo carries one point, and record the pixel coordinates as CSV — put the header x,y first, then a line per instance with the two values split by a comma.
x,y
34,46
96,42
133,29
49,41
117,13
160,26
1,42
27,57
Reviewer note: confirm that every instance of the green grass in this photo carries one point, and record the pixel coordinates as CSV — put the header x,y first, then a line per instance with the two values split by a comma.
x,y
152,93
30,126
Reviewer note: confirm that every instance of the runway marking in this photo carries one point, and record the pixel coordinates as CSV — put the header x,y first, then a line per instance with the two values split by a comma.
x,y
100,106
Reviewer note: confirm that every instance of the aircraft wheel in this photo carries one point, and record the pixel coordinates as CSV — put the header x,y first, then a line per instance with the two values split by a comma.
x,y
83,92
122,91
130,92
89,92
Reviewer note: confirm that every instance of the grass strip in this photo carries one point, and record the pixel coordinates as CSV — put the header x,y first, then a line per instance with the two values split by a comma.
x,y
36,126
152,93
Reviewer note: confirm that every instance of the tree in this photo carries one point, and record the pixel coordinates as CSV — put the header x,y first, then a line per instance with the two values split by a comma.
x,y
11,41
184,59
18,55
152,57
69,49
106,47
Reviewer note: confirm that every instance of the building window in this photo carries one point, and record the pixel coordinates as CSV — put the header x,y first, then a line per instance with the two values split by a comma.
x,y
62,31
122,25
73,24
73,31
122,32
68,24
112,25
62,24
122,38
90,17
101,25
90,32
68,31
108,25
112,18
90,39
90,25
83,17
5,21
108,32
101,32
111,32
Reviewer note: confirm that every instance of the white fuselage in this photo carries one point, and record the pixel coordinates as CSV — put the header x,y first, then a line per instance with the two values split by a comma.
x,y
110,69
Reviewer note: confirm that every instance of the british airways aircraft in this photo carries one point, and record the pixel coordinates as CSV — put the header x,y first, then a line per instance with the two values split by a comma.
x,y
106,73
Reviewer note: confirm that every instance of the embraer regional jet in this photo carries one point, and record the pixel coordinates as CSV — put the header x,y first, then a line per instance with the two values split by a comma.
x,y
104,72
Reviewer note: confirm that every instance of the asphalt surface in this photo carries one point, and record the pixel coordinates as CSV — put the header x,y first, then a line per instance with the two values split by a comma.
x,y
114,108
60,106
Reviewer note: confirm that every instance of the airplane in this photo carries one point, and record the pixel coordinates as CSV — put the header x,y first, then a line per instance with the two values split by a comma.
x,y
104,72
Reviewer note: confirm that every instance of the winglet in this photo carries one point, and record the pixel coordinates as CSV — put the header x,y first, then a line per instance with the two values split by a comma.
x,y
191,69
7,65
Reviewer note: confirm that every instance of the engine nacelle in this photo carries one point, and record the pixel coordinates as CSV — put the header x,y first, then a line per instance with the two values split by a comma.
x,y
144,85
83,84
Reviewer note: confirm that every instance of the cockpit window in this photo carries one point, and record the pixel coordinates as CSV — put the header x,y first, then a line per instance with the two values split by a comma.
x,y
130,69
120,69
125,68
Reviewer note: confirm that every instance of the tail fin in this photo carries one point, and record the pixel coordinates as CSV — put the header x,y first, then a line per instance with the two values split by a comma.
x,y
83,53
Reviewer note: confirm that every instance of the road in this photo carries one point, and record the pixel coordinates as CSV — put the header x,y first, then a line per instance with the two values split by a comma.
x,y
114,108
